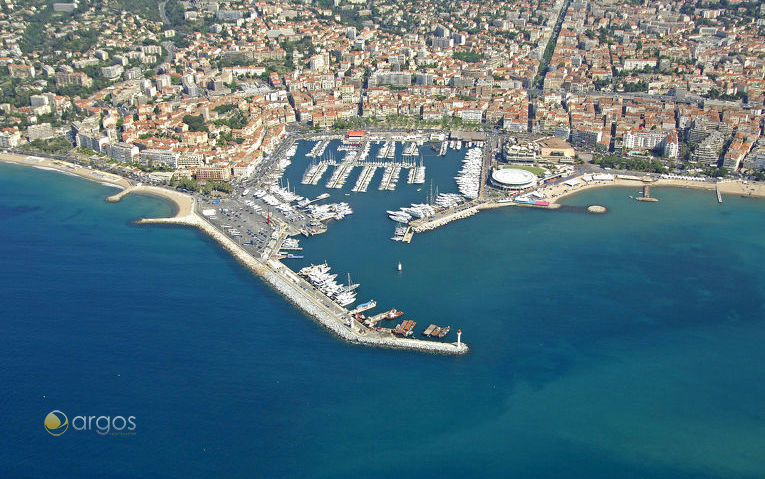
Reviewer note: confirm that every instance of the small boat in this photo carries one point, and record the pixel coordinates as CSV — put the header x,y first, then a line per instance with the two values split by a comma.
x,y
405,328
399,266
444,331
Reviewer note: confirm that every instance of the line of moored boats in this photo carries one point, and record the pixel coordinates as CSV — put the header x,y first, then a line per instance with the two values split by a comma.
x,y
469,177
423,210
321,277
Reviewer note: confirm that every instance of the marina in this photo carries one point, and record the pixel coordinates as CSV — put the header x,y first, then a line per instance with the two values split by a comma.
x,y
288,213
511,347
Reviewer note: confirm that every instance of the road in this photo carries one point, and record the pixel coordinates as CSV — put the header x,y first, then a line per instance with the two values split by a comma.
x,y
162,13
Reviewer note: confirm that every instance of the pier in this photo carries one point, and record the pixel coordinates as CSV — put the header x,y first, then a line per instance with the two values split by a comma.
x,y
646,195
416,174
362,184
408,235
443,217
318,148
340,175
313,174
364,307
719,194
390,178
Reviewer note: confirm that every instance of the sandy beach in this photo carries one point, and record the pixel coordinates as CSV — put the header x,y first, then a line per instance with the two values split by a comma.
x,y
184,203
733,187
66,167
555,193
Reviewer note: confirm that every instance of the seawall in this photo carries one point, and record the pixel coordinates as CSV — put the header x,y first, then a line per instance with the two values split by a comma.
x,y
306,298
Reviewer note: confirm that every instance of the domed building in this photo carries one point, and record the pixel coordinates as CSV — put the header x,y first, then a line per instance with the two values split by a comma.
x,y
513,179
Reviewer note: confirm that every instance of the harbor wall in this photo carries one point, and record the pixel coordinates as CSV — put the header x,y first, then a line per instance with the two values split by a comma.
x,y
429,224
301,294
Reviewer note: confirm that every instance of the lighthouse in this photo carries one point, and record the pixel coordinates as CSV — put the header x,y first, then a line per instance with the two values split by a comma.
x,y
459,338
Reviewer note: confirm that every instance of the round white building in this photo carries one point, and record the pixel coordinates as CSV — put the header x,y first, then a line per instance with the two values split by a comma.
x,y
513,179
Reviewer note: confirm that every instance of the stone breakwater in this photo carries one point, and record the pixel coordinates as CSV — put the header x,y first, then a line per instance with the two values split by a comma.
x,y
300,293
281,279
440,219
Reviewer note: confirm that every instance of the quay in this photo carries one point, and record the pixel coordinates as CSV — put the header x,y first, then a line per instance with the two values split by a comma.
x,y
443,217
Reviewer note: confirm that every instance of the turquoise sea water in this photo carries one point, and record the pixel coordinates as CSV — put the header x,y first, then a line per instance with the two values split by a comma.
x,y
624,344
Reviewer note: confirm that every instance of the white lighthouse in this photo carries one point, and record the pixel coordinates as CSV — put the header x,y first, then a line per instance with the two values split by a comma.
x,y
459,338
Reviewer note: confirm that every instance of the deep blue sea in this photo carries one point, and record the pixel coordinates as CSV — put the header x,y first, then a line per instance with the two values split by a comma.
x,y
620,345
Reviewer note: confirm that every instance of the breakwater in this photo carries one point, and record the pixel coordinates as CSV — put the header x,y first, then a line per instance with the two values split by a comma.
x,y
444,217
305,297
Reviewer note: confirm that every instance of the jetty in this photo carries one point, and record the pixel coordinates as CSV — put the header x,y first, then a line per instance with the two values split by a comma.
x,y
408,235
340,175
297,290
313,174
416,174
719,195
364,307
367,173
444,216
647,195
390,178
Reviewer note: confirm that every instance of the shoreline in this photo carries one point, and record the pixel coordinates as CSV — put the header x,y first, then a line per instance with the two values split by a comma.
x,y
66,167
184,204
558,192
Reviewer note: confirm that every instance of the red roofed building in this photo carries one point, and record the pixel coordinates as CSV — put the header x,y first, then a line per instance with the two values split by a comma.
x,y
355,136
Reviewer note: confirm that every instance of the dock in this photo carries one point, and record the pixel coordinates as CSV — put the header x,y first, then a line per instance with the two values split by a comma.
x,y
429,330
367,172
365,307
390,178
373,320
408,235
340,175
445,216
313,174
